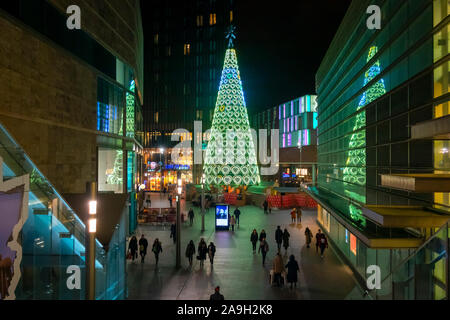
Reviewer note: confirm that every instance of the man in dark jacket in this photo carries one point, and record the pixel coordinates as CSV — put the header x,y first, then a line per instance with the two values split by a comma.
x,y
191,216
237,213
216,295
143,244
265,205
279,237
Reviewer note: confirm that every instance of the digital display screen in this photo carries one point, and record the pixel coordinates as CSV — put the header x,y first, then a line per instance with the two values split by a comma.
x,y
222,216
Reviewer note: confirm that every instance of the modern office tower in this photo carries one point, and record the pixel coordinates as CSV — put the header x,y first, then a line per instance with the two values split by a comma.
x,y
184,56
383,120
70,114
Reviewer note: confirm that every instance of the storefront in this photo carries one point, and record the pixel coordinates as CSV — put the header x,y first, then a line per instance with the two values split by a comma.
x,y
160,173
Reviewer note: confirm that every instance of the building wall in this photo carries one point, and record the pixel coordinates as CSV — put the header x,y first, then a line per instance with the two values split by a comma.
x,y
49,106
49,85
372,87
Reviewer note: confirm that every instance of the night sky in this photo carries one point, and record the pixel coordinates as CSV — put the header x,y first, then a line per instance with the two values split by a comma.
x,y
280,46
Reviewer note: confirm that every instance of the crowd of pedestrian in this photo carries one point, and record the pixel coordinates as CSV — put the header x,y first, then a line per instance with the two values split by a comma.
x,y
280,271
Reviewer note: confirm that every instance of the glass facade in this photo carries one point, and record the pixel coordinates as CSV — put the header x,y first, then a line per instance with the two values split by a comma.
x,y
52,238
372,87
298,121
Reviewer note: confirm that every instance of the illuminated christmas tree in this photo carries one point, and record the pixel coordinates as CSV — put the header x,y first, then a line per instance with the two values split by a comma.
x,y
230,154
355,170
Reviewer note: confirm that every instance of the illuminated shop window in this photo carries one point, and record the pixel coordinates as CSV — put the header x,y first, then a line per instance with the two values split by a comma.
x,y
199,21
353,244
231,16
187,49
212,19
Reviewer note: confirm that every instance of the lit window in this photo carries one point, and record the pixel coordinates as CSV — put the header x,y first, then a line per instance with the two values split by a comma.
x,y
169,51
156,38
156,117
212,19
199,21
231,16
187,49
353,244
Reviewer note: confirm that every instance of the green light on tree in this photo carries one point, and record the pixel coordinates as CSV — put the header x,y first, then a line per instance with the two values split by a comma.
x,y
230,154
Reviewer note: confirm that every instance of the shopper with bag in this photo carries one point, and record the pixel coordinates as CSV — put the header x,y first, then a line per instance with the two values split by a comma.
x,y
254,240
278,269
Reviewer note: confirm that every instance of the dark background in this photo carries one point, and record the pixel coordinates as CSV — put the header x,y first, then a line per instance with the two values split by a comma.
x,y
280,46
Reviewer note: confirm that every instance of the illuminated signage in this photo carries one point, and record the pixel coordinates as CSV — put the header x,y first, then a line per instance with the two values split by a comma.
x,y
222,217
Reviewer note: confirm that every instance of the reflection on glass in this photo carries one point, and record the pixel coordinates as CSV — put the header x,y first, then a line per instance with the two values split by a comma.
x,y
355,171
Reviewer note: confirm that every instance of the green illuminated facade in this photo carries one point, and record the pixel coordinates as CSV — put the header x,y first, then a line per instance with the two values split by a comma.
x,y
372,87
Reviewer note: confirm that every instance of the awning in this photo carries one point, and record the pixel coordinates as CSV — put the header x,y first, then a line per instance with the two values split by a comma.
x,y
433,129
416,182
404,216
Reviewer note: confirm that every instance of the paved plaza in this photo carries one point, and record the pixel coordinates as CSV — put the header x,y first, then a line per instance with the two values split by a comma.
x,y
236,269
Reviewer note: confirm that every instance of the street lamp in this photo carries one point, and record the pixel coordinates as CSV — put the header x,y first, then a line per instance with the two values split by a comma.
x,y
203,202
178,225
90,257
161,151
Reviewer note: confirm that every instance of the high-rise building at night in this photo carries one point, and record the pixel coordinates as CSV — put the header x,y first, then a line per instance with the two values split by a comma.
x,y
70,114
383,186
183,64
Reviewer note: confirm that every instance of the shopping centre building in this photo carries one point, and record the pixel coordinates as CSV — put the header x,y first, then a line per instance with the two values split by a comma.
x,y
296,121
383,165
70,115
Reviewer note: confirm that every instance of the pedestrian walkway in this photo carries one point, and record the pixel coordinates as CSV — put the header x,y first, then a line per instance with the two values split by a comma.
x,y
236,269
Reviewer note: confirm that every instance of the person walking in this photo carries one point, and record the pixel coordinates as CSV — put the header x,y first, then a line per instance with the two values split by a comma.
x,y
308,236
323,244
263,248
254,239
143,244
216,295
170,200
157,248
133,247
279,237
211,252
318,236
202,251
278,269
232,222
237,214
293,215
265,205
262,235
173,232
286,236
149,200
293,269
191,216
299,214
190,251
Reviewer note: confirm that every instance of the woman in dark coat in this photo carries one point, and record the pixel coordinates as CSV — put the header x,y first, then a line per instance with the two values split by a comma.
x,y
190,251
133,247
292,267
254,239
286,236
202,251
262,235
